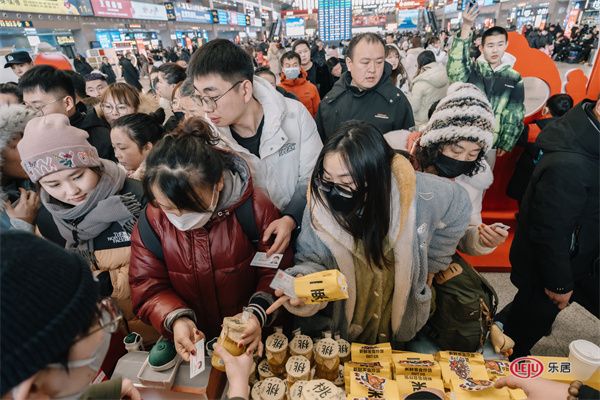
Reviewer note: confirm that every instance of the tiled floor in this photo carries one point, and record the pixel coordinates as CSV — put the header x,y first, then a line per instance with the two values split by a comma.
x,y
575,322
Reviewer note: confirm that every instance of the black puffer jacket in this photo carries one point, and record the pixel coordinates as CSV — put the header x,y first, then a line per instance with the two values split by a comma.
x,y
384,106
558,234
98,131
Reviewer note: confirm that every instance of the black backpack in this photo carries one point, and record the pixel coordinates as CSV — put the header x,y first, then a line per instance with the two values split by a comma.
x,y
244,214
465,305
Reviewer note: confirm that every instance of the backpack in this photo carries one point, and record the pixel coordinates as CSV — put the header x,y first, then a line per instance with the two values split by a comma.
x,y
465,306
244,214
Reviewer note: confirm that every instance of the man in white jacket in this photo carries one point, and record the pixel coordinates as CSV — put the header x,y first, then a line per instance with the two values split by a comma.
x,y
275,135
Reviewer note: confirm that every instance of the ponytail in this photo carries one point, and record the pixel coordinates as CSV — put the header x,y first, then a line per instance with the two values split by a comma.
x,y
184,161
142,128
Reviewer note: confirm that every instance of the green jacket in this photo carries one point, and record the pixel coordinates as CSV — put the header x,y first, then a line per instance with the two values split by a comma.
x,y
503,87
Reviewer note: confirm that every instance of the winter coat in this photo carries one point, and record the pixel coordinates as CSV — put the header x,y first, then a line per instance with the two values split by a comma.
x,y
206,270
557,240
98,131
410,61
503,87
274,64
130,73
107,70
82,67
319,76
305,91
289,148
112,253
384,106
427,88
475,186
429,216
440,55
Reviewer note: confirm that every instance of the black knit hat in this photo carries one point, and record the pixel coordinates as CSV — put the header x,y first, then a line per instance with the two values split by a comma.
x,y
47,297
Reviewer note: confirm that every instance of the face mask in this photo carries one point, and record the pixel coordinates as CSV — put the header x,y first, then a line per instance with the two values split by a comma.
x,y
292,72
95,361
339,203
448,167
180,115
192,220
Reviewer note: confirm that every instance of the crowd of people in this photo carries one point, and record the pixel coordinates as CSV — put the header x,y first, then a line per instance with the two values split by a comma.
x,y
372,158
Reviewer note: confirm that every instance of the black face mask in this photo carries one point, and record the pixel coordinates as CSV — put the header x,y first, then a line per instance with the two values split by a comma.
x,y
339,203
179,115
448,167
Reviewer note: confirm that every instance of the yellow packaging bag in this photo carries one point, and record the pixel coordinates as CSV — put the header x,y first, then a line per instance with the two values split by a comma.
x,y
461,365
457,387
366,384
383,370
500,368
416,364
408,384
321,287
363,353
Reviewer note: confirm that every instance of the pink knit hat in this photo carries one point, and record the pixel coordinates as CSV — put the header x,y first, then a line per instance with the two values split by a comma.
x,y
51,144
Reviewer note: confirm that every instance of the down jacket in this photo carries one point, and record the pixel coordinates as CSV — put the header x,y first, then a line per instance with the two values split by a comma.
x,y
428,87
205,270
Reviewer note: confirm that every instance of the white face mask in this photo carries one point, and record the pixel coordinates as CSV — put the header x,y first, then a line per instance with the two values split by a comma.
x,y
192,220
292,72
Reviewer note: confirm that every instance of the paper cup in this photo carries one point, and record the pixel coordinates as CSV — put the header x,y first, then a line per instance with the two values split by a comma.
x,y
585,359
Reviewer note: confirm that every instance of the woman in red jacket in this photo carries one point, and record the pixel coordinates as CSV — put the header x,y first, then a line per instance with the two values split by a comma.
x,y
204,273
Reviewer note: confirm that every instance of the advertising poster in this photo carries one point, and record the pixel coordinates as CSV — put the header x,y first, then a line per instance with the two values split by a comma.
x,y
170,8
67,7
192,13
155,12
408,19
294,27
112,8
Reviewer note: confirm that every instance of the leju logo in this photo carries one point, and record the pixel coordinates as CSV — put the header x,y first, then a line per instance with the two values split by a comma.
x,y
526,367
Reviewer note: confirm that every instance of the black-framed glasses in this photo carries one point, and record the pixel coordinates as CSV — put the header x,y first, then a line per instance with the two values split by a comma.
x,y
210,102
328,186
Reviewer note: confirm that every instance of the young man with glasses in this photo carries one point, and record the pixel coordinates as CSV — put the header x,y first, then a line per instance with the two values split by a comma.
x,y
48,90
275,135
53,345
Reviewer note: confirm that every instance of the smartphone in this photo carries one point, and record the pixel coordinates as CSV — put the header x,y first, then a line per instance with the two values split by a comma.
x,y
471,4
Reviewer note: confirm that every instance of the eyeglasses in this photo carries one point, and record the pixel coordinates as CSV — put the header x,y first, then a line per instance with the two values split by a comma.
x,y
327,186
39,107
120,108
210,103
110,317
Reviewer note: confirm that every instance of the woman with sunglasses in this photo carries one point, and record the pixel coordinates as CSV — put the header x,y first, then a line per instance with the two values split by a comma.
x,y
55,327
385,227
89,205
120,99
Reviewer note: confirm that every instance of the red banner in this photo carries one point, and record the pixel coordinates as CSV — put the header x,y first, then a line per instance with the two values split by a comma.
x,y
112,8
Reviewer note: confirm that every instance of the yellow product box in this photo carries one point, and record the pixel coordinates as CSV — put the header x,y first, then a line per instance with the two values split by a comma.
x,y
461,365
490,393
383,370
366,384
363,353
416,364
321,287
408,384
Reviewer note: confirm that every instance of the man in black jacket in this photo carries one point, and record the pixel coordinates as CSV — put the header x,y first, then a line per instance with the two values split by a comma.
x,y
555,251
365,92
49,90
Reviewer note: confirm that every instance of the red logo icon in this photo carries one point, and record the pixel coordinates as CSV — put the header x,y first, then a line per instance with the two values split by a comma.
x,y
526,367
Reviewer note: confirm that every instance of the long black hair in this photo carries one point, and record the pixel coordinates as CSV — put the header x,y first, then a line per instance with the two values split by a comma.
x,y
368,158
184,161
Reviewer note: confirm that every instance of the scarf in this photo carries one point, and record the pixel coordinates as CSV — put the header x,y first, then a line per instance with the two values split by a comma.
x,y
81,224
